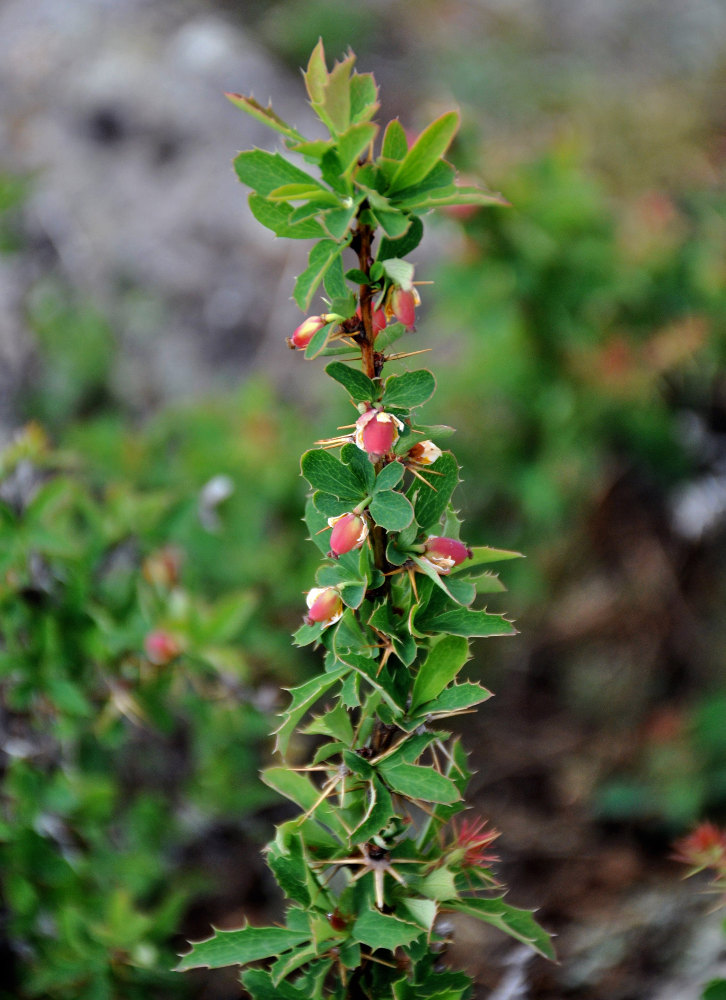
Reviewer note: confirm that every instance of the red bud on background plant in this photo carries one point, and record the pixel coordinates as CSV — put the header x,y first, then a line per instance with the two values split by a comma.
x,y
376,432
325,606
445,553
349,533
161,647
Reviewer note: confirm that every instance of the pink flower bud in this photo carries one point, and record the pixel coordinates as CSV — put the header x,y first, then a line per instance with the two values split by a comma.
x,y
378,320
349,533
161,647
445,553
376,432
325,606
424,453
304,333
402,304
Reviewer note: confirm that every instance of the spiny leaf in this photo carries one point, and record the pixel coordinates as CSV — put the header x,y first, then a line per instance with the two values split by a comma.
x,y
520,924
426,151
440,667
265,115
248,944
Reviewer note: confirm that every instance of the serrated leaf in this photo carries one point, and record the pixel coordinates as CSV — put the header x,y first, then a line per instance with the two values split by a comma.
x,y
422,911
264,172
360,388
391,510
464,622
416,782
335,723
321,257
380,930
316,74
378,679
259,984
248,944
410,389
455,698
438,885
265,115
426,151
519,924
440,667
326,473
300,790
450,195
430,504
363,97
287,964
379,811
303,697
290,870
277,218
308,633
352,592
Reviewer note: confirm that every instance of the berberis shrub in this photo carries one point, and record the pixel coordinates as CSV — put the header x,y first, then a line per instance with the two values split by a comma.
x,y
377,853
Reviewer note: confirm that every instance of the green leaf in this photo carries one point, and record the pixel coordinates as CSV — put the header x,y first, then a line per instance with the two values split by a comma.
x,y
265,115
352,143
399,271
440,667
416,782
391,510
303,698
360,465
410,389
363,97
319,341
423,911
335,723
450,195
393,223
389,477
290,869
465,622
360,388
455,699
259,984
483,554
438,885
395,626
389,335
336,103
287,964
321,257
264,172
379,930
519,924
300,790
277,218
430,504
352,592
426,151
326,473
249,944
395,143
402,247
379,811
715,990
378,679
329,506
311,192
337,220
316,74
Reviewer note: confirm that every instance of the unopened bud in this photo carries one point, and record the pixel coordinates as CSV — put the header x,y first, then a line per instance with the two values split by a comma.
x,y
161,647
349,533
325,606
445,553
376,432
402,304
378,320
424,453
304,333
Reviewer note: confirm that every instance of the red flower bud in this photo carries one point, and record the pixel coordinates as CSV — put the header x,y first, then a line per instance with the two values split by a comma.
x,y
445,553
161,647
402,304
304,333
376,432
325,606
349,532
378,320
